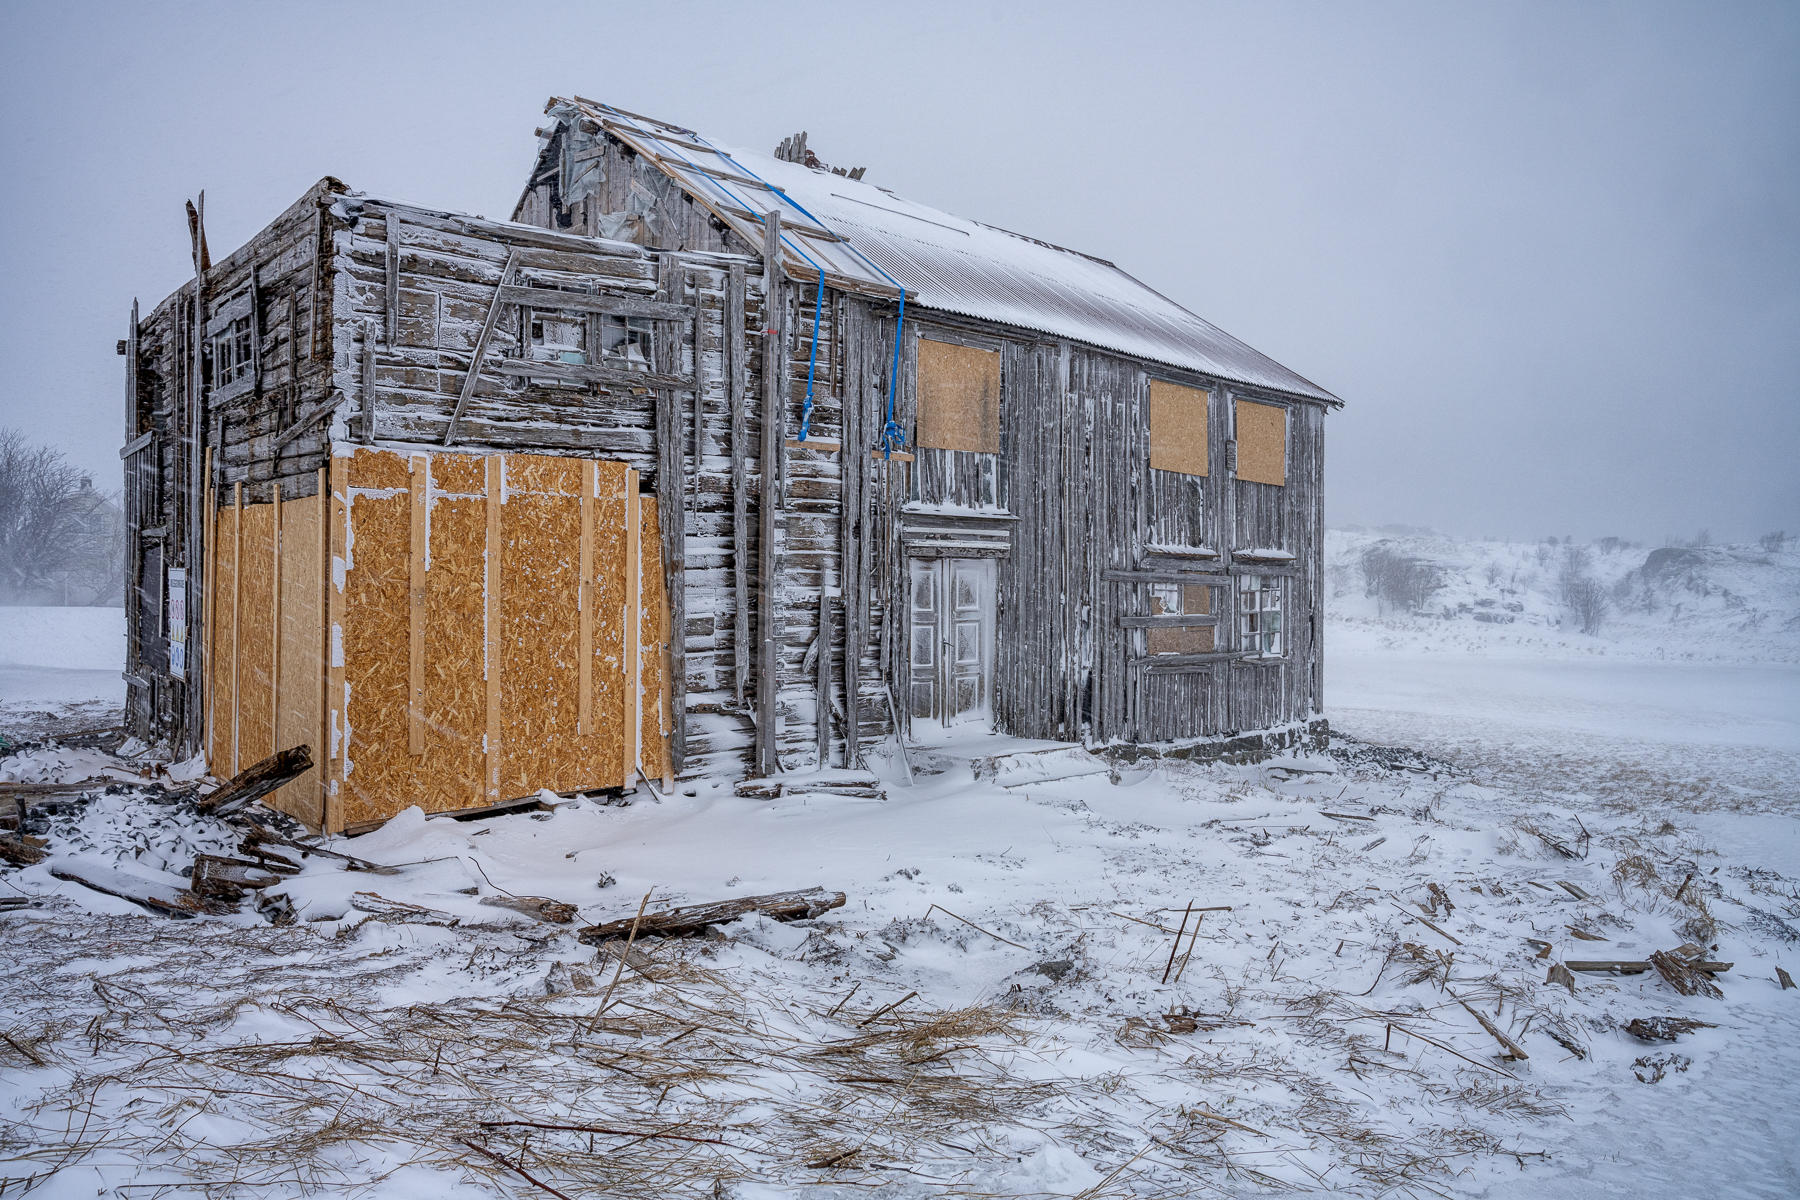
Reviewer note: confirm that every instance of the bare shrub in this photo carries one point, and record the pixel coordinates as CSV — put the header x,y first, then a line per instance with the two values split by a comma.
x,y
1399,580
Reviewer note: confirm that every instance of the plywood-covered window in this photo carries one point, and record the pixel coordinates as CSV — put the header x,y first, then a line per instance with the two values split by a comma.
x,y
959,397
1176,600
1178,428
1261,442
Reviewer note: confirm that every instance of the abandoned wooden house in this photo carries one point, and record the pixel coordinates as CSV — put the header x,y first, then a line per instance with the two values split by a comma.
x,y
706,462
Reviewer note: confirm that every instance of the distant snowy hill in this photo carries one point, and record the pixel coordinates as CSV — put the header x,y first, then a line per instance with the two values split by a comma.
x,y
1395,590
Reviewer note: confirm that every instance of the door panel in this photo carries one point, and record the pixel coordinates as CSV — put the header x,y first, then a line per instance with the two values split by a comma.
x,y
951,648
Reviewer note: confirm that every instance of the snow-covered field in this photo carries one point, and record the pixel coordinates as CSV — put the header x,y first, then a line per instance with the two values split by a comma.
x,y
996,1010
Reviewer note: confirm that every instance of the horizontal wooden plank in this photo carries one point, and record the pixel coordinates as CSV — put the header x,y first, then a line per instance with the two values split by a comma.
x,y
620,306
589,373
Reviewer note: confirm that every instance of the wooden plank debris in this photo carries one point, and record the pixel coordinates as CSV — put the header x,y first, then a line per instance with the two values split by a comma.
x,y
225,878
1664,1029
146,893
258,780
1686,976
1513,1049
1611,966
542,908
691,919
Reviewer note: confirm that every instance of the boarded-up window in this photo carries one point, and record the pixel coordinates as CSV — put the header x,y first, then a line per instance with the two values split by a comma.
x,y
959,397
1261,442
1178,600
1177,428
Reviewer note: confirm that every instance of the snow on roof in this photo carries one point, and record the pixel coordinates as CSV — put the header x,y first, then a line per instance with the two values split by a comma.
x,y
865,238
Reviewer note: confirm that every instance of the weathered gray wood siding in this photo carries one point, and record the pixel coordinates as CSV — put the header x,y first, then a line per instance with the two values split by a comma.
x,y
256,428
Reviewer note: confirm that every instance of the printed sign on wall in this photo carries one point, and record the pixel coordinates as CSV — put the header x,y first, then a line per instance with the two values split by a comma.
x,y
178,622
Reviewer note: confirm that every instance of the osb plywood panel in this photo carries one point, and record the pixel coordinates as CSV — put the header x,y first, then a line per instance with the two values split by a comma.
x,y
540,640
610,732
256,637
455,698
298,696
1196,598
542,473
378,469
459,474
1261,442
1179,639
379,775
959,397
653,647
1178,428
223,729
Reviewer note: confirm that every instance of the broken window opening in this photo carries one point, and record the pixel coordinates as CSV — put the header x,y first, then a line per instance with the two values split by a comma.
x,y
1261,632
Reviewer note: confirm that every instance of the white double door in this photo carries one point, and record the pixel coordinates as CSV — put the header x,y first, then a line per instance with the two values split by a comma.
x,y
951,642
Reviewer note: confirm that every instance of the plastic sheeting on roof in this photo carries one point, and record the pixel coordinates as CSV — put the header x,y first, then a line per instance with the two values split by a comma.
x,y
865,238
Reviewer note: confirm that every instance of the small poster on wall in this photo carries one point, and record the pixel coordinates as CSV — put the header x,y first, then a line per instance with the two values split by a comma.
x,y
178,622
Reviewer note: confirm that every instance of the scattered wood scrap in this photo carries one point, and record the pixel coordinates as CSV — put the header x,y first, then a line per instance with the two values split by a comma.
x,y
1560,973
1512,1048
351,863
1686,976
1783,978
22,850
693,918
542,908
1664,1029
8,903
1574,890
1620,966
258,780
858,785
228,879
145,893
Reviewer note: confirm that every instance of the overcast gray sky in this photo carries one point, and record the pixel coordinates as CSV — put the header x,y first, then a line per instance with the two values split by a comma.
x,y
1548,254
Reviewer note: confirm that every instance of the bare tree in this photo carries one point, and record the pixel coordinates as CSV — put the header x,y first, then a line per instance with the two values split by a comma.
x,y
1584,595
1776,541
1399,580
57,543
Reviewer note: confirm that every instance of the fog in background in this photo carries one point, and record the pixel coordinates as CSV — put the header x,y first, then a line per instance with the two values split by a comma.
x,y
1549,255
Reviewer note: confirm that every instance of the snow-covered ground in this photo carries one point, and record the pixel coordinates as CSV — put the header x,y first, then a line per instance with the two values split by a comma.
x,y
988,1014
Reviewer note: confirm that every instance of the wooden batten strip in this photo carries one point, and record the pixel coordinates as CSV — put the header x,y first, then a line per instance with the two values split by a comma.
x,y
274,618
209,734
393,278
420,541
740,469
237,592
584,686
322,555
774,405
481,345
366,415
337,732
634,606
496,484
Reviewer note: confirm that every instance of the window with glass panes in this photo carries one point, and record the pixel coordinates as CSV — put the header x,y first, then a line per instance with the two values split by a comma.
x,y
1259,611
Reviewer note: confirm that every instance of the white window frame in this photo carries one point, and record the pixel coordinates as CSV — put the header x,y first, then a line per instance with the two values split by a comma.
x,y
1257,598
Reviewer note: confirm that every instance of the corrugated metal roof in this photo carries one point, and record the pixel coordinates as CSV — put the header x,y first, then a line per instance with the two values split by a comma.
x,y
867,239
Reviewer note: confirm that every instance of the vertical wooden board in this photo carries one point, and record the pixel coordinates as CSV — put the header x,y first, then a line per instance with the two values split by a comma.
x,y
338,554
256,637
450,775
419,487
495,592
653,647
609,736
539,641
297,691
224,703
585,661
377,772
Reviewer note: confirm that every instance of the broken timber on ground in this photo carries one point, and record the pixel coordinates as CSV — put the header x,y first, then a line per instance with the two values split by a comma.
x,y
693,918
258,780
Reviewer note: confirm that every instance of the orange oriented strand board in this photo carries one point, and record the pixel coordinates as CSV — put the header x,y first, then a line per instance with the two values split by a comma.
x,y
256,638
1178,417
374,469
959,397
452,770
1179,639
297,716
224,698
540,641
458,475
653,649
1261,442
543,474
379,778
